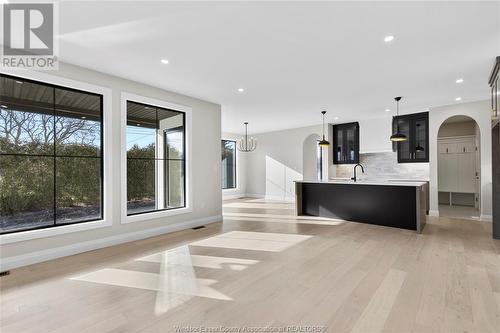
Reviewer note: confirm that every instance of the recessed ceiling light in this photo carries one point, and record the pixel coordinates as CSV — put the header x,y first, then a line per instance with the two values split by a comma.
x,y
387,110
336,118
164,61
241,90
459,80
458,99
389,38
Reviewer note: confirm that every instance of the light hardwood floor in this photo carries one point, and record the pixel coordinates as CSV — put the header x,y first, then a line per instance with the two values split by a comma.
x,y
263,267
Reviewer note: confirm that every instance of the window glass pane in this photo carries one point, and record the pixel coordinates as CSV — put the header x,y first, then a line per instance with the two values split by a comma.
x,y
228,164
155,156
175,143
26,117
141,130
78,189
175,184
26,192
140,185
77,123
172,124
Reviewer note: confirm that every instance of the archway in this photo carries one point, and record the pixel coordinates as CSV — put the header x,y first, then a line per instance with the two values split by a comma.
x,y
311,162
459,167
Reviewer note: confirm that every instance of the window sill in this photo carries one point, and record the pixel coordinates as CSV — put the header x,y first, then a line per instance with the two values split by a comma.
x,y
155,215
49,232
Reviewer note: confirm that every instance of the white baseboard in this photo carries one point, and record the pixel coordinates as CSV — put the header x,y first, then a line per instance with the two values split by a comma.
x,y
486,218
279,198
257,196
63,251
232,196
269,197
433,212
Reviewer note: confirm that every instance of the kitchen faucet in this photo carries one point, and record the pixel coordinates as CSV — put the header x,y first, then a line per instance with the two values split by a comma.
x,y
363,170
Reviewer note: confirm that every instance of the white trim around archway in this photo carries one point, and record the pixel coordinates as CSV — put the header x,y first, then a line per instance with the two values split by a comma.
x,y
480,112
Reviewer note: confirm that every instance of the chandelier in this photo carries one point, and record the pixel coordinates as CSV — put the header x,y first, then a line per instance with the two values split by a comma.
x,y
246,144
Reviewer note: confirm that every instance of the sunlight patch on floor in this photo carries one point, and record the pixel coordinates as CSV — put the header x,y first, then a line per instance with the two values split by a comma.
x,y
257,241
283,218
177,282
179,256
174,281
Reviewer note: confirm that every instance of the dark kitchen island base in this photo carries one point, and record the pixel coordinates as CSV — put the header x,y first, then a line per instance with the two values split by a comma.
x,y
399,205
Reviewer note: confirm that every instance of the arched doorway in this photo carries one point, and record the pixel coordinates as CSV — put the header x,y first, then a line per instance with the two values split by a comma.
x,y
312,158
459,168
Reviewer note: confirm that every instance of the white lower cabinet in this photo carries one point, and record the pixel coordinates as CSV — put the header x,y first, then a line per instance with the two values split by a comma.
x,y
457,165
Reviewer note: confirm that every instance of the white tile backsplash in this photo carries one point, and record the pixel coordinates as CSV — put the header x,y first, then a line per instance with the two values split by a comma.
x,y
381,166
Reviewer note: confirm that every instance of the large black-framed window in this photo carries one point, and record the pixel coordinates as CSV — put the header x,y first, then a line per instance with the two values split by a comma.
x,y
228,148
156,161
51,155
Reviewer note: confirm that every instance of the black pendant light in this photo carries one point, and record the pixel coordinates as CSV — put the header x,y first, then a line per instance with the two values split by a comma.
x,y
398,136
323,142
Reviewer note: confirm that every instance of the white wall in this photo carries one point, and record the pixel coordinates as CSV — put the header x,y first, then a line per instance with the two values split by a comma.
x,y
278,161
241,173
457,129
480,112
206,178
374,135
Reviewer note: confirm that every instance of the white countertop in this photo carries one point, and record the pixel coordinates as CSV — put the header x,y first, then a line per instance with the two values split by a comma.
x,y
414,183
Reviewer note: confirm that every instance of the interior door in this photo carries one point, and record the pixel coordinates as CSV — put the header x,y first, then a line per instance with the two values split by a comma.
x,y
466,172
477,153
447,172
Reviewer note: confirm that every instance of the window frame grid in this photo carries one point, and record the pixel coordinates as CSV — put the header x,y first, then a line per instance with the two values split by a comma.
x,y
164,159
54,156
234,166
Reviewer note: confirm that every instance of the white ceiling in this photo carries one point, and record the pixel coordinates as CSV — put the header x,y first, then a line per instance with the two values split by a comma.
x,y
293,58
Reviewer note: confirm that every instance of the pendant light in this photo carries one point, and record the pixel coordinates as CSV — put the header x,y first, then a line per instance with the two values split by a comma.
x,y
246,144
398,136
323,142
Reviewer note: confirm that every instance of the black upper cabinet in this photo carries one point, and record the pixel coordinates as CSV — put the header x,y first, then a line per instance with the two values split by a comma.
x,y
416,128
346,143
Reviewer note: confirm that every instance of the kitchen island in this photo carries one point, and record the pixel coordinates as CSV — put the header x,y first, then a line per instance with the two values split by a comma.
x,y
388,203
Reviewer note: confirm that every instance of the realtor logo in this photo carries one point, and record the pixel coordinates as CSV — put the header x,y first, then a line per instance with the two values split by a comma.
x,y
28,36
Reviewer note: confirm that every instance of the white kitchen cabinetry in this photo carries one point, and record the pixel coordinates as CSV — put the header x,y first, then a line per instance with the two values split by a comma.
x,y
457,165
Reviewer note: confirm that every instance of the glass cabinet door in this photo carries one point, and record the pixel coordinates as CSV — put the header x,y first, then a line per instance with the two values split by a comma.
x,y
338,147
345,143
404,147
351,150
420,140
